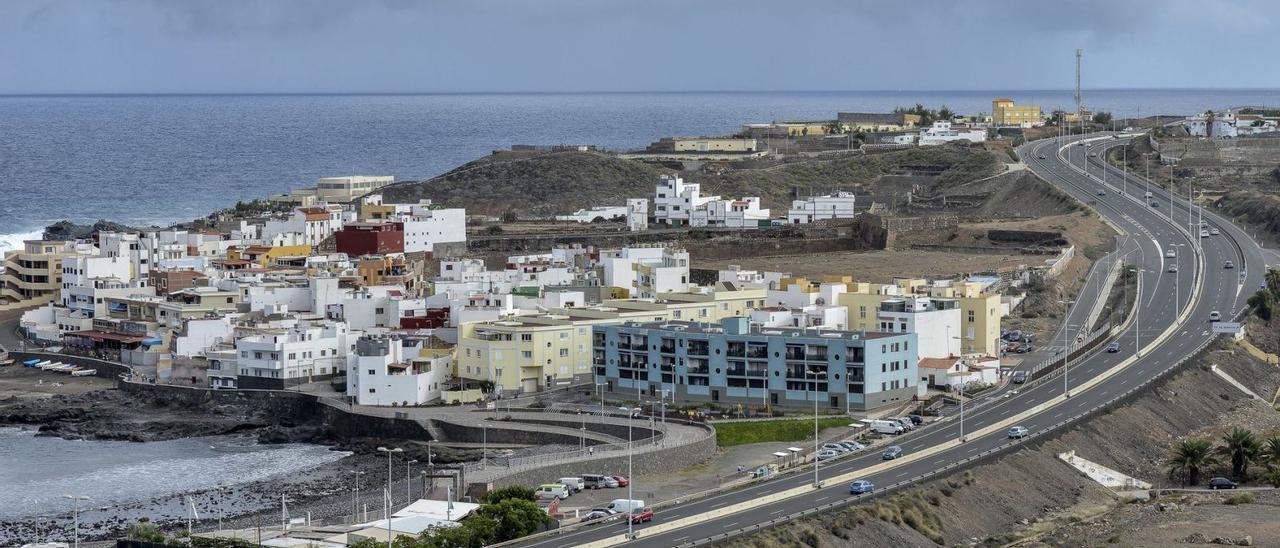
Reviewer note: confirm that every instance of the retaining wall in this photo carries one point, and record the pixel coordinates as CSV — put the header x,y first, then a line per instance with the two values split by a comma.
x,y
105,369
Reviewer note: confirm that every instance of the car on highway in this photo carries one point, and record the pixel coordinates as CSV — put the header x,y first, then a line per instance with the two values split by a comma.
x,y
1214,232
1113,347
1155,203
1215,316
620,481
1093,154
891,453
642,515
1173,268
1018,432
1170,254
861,487
1019,377
1204,233
1228,265
1023,349
1102,192
1041,156
599,515
1221,483
827,454
1147,195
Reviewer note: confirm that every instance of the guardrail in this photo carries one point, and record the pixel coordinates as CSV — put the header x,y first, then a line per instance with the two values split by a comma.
x,y
561,456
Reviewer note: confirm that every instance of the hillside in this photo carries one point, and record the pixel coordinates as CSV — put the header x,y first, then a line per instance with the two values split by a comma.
x,y
555,182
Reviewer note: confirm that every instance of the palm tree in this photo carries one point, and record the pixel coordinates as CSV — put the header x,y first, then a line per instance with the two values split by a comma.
x,y
1272,478
1192,456
1270,452
1242,447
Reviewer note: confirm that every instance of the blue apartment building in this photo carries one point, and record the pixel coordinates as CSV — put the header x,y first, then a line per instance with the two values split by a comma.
x,y
736,363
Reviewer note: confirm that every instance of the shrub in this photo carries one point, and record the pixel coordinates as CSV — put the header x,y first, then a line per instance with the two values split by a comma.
x,y
1239,498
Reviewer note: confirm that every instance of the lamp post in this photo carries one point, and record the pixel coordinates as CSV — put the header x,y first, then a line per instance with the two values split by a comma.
x,y
75,502
355,498
962,437
1177,291
408,483
1066,348
389,452
484,447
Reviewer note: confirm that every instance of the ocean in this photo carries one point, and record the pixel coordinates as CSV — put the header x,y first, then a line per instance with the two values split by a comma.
x,y
156,159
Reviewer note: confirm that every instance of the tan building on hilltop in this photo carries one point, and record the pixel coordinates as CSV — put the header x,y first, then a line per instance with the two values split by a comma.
x,y
1005,113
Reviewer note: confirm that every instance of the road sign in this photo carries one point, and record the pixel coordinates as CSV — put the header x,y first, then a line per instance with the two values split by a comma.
x,y
1226,327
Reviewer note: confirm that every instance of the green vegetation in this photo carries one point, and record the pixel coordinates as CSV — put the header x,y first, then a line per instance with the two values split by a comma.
x,y
1190,457
145,531
1239,498
1262,111
1264,302
1242,448
1102,118
927,116
508,513
741,433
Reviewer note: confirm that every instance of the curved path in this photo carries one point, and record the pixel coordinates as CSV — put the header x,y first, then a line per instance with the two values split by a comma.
x,y
1171,326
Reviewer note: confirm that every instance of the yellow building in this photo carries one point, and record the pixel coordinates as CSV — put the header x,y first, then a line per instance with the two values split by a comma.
x,y
266,255
33,274
1005,113
877,121
526,354
979,311
376,212
713,144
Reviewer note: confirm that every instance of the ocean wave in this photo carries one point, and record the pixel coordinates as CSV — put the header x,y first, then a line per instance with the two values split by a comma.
x,y
10,242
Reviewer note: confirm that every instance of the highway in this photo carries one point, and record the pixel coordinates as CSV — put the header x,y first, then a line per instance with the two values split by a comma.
x,y
1173,325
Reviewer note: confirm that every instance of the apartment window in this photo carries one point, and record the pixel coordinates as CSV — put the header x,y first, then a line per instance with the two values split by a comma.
x,y
564,352
564,335
862,312
373,371
257,355
378,310
498,372
971,316
373,390
468,352
526,354
526,337
293,356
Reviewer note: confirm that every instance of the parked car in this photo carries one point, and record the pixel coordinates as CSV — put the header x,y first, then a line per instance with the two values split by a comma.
x,y
827,454
594,481
861,487
642,515
1028,347
1221,483
1018,432
891,453
853,446
1113,347
916,419
575,485
835,447
550,491
621,481
1019,377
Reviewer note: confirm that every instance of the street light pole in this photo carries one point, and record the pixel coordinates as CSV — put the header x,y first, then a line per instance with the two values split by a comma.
x,y
355,498
408,482
1066,348
807,373
389,452
75,502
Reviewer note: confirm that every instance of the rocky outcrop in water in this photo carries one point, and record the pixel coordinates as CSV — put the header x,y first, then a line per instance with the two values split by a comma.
x,y
67,230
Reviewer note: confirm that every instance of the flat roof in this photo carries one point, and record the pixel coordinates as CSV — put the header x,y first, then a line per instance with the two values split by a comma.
x,y
756,330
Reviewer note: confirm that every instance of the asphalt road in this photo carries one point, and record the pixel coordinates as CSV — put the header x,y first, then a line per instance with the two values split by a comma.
x,y
1039,406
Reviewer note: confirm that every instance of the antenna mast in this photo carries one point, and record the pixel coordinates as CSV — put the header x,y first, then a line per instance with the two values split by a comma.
x,y
1079,52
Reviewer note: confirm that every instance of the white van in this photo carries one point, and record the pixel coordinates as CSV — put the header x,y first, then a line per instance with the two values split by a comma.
x,y
886,427
552,491
626,506
575,485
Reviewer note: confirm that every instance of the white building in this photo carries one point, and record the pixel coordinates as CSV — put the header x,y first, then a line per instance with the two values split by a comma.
x,y
945,132
311,225
838,205
278,358
646,271
951,373
936,323
677,203
604,213
426,226
637,214
391,371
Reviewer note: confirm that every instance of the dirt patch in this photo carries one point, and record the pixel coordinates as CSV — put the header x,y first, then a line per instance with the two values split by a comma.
x,y
19,383
993,505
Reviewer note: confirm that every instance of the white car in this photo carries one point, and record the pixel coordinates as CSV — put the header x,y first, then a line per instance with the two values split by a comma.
x,y
1018,432
1214,232
1173,268
1170,254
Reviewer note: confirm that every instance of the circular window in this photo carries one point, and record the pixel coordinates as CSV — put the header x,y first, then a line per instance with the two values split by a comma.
x,y
837,376
775,354
612,361
717,351
837,357
717,370
776,373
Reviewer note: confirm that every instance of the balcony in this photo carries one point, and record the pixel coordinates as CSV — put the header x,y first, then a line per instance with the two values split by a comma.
x,y
698,348
758,351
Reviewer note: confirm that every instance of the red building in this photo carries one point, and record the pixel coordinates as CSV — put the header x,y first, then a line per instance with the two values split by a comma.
x,y
356,239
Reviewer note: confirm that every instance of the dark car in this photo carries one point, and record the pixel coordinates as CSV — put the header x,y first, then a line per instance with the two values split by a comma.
x,y
1155,204
1221,483
861,487
1019,377
642,515
916,419
891,453
1113,347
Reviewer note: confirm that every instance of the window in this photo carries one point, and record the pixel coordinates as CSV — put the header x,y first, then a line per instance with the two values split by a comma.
x,y
526,337
564,335
564,352
526,354
971,316
862,312
373,371
293,356
373,390
257,355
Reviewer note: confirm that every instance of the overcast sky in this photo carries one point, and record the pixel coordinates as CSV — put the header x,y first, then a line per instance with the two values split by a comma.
x,y
226,46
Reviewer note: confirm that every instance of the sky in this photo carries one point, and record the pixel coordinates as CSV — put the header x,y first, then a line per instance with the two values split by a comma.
x,y
426,46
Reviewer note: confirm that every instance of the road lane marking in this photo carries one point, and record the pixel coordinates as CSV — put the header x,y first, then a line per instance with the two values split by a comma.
x,y
728,525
